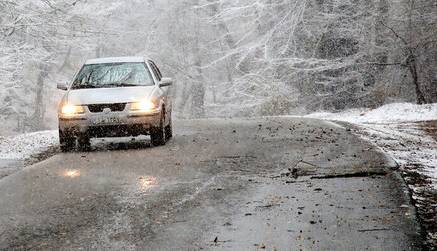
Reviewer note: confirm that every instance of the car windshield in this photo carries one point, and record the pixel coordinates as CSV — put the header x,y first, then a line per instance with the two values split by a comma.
x,y
113,75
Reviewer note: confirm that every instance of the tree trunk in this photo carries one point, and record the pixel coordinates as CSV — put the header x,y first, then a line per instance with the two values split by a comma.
x,y
413,70
38,116
66,62
230,42
198,87
198,92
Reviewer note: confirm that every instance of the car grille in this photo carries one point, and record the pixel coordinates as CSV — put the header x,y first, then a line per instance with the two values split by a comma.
x,y
113,107
117,130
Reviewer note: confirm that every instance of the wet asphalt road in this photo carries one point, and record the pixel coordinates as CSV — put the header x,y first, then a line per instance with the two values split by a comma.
x,y
255,184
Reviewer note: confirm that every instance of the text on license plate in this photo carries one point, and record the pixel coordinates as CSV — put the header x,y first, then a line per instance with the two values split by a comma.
x,y
107,121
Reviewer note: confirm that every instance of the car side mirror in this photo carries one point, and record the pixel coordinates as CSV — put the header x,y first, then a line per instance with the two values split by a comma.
x,y
63,87
165,82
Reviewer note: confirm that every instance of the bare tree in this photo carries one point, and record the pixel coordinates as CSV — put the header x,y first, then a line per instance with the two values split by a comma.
x,y
229,57
414,33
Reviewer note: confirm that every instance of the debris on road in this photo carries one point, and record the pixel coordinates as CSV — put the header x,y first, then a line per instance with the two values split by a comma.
x,y
410,138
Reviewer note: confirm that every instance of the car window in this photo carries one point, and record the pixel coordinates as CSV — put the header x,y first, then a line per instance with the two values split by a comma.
x,y
156,70
113,75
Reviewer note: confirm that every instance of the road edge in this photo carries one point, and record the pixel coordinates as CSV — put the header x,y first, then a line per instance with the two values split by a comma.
x,y
393,168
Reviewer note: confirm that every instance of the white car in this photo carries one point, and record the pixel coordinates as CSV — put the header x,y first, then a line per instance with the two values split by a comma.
x,y
115,97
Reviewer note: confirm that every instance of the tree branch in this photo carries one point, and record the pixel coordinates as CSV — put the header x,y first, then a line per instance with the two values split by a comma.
x,y
387,64
395,33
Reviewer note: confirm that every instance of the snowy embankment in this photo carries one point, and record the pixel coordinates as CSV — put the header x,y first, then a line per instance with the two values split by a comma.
x,y
24,146
392,113
18,151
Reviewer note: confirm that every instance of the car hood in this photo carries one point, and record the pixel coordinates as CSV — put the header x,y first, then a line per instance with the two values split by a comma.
x,y
109,95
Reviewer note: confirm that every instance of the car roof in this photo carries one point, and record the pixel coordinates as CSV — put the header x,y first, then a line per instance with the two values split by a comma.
x,y
116,60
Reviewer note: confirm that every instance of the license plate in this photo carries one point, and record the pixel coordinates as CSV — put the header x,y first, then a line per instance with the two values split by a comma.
x,y
109,120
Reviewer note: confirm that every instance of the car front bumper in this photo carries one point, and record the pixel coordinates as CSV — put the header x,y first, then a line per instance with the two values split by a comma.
x,y
109,125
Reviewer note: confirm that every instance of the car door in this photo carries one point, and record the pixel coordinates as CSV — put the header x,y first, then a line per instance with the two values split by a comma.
x,y
166,90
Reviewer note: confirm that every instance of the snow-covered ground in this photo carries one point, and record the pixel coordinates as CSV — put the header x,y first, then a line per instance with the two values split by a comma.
x,y
397,112
24,146
18,151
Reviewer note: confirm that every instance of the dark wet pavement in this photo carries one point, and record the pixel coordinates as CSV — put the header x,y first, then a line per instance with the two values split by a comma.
x,y
9,166
270,183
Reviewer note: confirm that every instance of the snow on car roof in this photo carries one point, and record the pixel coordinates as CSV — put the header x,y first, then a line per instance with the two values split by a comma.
x,y
115,60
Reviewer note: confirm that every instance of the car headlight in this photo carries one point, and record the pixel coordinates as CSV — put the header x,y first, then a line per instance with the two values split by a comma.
x,y
72,109
143,106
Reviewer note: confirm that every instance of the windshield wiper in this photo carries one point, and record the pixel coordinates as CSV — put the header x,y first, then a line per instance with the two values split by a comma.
x,y
121,84
95,86
85,86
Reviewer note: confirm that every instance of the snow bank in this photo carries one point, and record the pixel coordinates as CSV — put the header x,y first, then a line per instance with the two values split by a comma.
x,y
24,146
397,112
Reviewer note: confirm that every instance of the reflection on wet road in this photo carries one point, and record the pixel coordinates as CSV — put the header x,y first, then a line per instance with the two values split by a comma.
x,y
72,173
218,185
147,182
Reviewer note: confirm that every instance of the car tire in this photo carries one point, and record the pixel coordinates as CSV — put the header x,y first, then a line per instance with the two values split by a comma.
x,y
157,134
169,130
66,143
84,142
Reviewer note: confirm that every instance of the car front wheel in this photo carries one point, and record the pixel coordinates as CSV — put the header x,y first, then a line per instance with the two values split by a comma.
x,y
157,134
67,143
169,130
84,142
